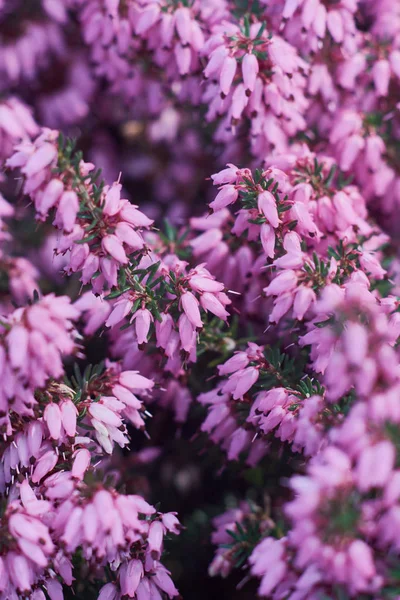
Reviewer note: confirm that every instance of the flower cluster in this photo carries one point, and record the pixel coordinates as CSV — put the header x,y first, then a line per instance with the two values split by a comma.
x,y
106,242
34,341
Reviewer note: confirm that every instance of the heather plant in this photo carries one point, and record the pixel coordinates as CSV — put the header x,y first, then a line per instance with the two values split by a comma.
x,y
199,299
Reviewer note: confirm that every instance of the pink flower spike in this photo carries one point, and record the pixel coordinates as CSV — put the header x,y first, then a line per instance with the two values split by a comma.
x,y
44,465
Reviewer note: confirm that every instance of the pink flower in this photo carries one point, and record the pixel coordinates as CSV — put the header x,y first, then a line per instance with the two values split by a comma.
x,y
81,463
112,246
42,158
303,300
205,284
249,71
133,381
267,237
368,474
267,206
121,309
130,576
187,333
143,319
211,303
244,380
155,538
228,175
361,559
190,306
228,71
226,196
52,417
381,76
